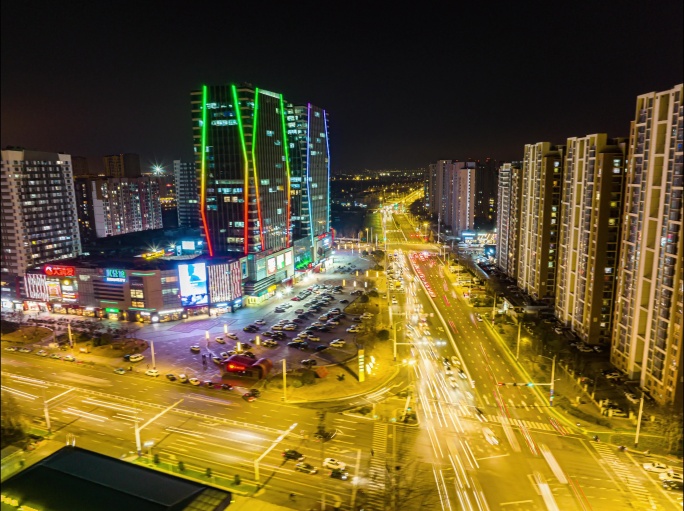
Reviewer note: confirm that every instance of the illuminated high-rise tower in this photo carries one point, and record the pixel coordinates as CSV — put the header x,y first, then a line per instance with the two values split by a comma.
x,y
242,158
307,131
648,318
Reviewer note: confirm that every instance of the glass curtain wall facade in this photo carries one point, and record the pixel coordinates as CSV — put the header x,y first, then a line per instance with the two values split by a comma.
x,y
307,129
242,157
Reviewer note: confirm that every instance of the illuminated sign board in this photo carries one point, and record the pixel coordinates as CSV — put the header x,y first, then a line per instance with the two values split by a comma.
x,y
112,275
59,271
288,258
69,290
54,290
152,255
271,266
193,284
188,245
280,261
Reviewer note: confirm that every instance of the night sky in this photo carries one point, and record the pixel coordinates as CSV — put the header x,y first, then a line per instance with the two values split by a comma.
x,y
403,86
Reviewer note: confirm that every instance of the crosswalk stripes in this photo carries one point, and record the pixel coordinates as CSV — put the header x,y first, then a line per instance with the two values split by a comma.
x,y
377,472
624,473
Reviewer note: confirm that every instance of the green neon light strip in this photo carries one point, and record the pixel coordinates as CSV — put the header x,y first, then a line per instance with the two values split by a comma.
x,y
137,274
203,172
254,164
287,166
108,301
238,112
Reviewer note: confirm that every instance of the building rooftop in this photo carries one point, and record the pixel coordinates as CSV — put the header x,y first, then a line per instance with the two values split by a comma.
x,y
74,478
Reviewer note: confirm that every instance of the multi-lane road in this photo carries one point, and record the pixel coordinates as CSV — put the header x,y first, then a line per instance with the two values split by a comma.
x,y
477,445
501,446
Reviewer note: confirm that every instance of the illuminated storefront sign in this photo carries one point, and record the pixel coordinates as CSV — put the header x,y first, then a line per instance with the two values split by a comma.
x,y
288,258
271,266
54,290
193,284
115,275
280,261
59,271
69,290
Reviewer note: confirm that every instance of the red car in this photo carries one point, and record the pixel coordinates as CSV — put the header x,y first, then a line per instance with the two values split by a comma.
x,y
295,299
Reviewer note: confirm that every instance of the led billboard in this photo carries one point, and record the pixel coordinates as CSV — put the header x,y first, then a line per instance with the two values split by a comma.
x,y
271,266
193,284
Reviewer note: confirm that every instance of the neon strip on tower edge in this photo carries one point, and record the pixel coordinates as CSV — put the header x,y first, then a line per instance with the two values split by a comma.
x,y
238,112
308,172
203,186
287,167
254,164
327,148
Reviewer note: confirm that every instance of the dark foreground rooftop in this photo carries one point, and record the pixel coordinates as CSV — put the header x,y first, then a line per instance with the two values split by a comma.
x,y
76,479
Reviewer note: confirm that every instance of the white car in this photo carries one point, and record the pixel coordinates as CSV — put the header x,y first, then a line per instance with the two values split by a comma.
x,y
136,358
290,328
194,381
152,372
657,467
353,330
490,436
670,475
220,340
455,361
337,344
453,382
232,336
332,463
259,322
631,398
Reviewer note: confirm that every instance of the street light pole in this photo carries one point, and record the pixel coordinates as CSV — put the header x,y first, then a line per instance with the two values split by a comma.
x,y
284,382
641,413
517,349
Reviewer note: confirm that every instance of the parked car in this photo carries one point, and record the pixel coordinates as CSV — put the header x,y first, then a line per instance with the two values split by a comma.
x,y
291,454
656,466
308,362
194,381
137,357
171,377
152,372
306,468
333,464
339,474
631,398
69,358
120,370
337,343
195,348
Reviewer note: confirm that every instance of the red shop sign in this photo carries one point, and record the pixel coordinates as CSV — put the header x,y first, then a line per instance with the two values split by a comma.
x,y
59,271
